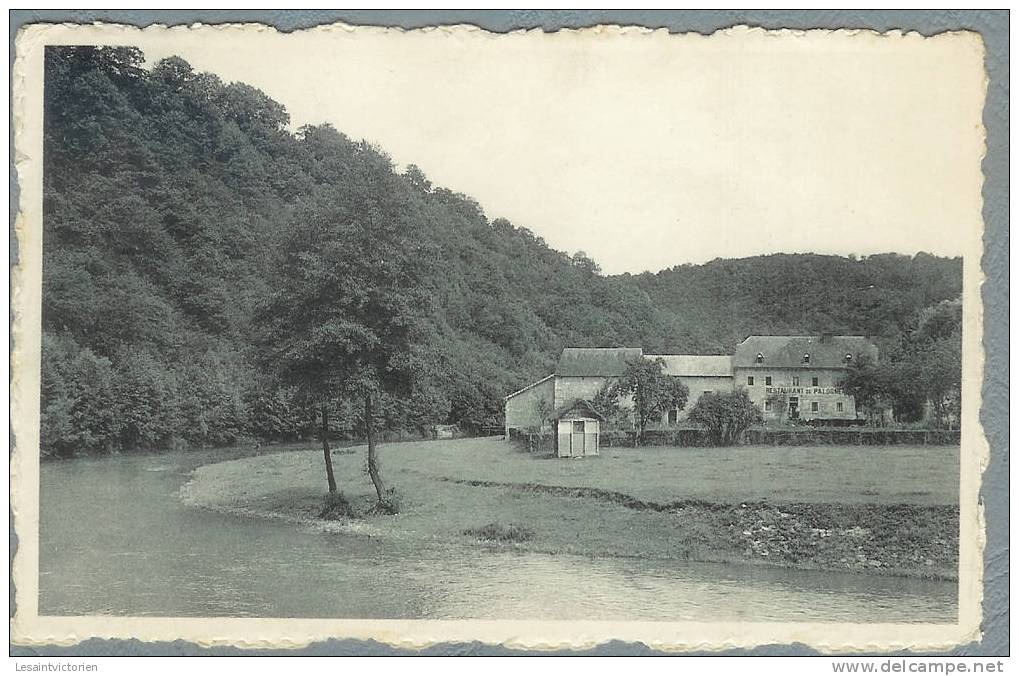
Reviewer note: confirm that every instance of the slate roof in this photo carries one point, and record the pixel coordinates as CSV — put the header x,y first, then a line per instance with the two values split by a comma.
x,y
596,361
695,364
788,351
534,384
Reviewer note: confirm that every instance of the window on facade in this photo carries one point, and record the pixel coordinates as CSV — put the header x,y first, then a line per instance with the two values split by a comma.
x,y
760,358
814,407
813,381
578,426
796,381
750,380
707,391
806,359
767,380
838,406
673,416
767,405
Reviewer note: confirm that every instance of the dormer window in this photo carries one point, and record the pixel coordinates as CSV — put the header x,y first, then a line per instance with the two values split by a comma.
x,y
806,359
760,358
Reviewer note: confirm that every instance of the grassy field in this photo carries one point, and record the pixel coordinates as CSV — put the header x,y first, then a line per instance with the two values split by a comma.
x,y
844,474
888,509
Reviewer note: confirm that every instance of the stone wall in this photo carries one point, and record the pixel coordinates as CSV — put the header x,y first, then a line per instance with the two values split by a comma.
x,y
570,388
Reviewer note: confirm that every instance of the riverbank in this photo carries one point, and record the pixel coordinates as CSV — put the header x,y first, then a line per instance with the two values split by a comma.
x,y
889,510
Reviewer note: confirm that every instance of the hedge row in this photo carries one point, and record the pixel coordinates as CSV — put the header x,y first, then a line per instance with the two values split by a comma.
x,y
687,437
532,442
853,437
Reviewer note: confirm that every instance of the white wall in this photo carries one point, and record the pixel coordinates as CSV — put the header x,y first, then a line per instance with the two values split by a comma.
x,y
522,408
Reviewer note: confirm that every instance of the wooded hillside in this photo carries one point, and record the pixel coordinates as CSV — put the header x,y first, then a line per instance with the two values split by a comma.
x,y
175,206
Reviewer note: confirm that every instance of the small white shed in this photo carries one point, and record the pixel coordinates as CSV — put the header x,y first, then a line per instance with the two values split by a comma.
x,y
578,426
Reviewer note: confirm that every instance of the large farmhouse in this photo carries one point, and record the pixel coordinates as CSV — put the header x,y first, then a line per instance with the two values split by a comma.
x,y
795,377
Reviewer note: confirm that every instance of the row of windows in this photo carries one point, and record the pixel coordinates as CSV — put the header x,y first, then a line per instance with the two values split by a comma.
x,y
796,381
806,358
815,406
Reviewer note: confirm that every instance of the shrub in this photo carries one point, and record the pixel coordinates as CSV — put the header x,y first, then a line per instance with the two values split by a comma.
x,y
726,415
500,533
336,508
391,504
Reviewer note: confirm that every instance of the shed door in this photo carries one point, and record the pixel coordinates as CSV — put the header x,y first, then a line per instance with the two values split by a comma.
x,y
565,438
577,447
591,437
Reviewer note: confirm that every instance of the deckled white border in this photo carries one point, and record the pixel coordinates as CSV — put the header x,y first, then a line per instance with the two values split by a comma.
x,y
28,628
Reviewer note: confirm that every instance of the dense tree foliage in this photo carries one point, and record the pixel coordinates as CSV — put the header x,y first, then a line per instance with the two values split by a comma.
x,y
618,416
872,384
920,377
653,391
717,304
353,288
178,207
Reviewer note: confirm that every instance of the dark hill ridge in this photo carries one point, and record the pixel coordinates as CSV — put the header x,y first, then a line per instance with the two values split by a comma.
x,y
168,200
791,294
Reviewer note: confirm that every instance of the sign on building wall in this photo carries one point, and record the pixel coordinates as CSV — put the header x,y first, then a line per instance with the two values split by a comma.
x,y
804,390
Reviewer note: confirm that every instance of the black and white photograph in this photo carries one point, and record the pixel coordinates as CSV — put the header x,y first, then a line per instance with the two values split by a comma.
x,y
550,337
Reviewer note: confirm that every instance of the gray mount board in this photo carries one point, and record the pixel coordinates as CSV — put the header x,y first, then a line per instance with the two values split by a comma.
x,y
992,26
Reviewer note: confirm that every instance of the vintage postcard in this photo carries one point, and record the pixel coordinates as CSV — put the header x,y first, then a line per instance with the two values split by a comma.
x,y
538,339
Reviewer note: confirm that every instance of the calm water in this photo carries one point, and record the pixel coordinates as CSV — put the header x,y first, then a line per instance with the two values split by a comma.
x,y
115,540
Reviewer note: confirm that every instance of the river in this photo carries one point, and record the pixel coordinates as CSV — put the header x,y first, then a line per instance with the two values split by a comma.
x,y
116,540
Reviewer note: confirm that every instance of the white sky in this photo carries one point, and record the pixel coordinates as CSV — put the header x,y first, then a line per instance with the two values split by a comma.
x,y
648,150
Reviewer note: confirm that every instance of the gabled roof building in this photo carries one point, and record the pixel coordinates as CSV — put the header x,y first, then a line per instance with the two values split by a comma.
x,y
796,377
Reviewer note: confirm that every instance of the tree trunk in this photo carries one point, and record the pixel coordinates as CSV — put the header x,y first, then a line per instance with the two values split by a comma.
x,y
639,412
373,461
325,450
